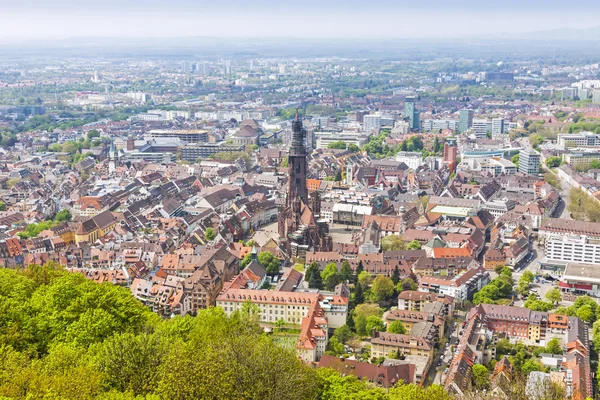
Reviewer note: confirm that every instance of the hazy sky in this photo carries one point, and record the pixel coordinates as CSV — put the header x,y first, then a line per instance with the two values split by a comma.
x,y
309,18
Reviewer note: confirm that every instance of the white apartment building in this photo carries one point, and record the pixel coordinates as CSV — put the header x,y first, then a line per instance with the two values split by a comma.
x,y
413,159
291,307
582,139
578,248
499,207
434,125
372,121
567,240
324,139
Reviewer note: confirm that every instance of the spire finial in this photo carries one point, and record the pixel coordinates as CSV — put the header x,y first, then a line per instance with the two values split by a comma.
x,y
297,114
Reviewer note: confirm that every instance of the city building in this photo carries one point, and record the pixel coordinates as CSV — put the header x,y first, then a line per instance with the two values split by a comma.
x,y
411,113
461,287
324,139
195,151
581,279
481,127
529,162
580,157
315,313
498,127
574,140
185,136
413,159
465,120
372,122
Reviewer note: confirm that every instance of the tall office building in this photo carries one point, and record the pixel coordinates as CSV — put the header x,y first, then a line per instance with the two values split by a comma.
x,y
466,120
497,126
185,67
529,162
411,113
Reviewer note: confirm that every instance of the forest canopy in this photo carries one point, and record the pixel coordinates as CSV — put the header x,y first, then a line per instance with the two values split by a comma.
x,y
63,336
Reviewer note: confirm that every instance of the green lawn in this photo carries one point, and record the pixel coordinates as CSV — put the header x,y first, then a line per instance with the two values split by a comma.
x,y
299,267
287,341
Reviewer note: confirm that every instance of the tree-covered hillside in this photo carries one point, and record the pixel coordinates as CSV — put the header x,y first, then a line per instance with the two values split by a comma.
x,y
64,337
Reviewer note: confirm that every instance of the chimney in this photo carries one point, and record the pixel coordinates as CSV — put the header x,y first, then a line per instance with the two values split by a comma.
x,y
374,333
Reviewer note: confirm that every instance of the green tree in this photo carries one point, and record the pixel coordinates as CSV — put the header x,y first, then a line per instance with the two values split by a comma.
x,y
595,164
553,295
346,272
131,362
365,279
396,275
416,392
210,233
375,322
270,262
343,334
353,148
93,134
313,276
338,176
393,243
359,269
396,327
586,313
530,366
382,288
481,378
360,324
408,284
2,206
553,347
334,347
330,276
553,161
340,145
515,160
246,260
414,245
63,216
527,276
11,182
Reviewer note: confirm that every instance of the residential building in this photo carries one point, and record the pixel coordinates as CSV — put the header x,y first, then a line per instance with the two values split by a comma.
x,y
314,312
383,344
461,288
380,375
529,162
414,300
413,159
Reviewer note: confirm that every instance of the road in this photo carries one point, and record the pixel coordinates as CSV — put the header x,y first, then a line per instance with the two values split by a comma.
x,y
444,355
